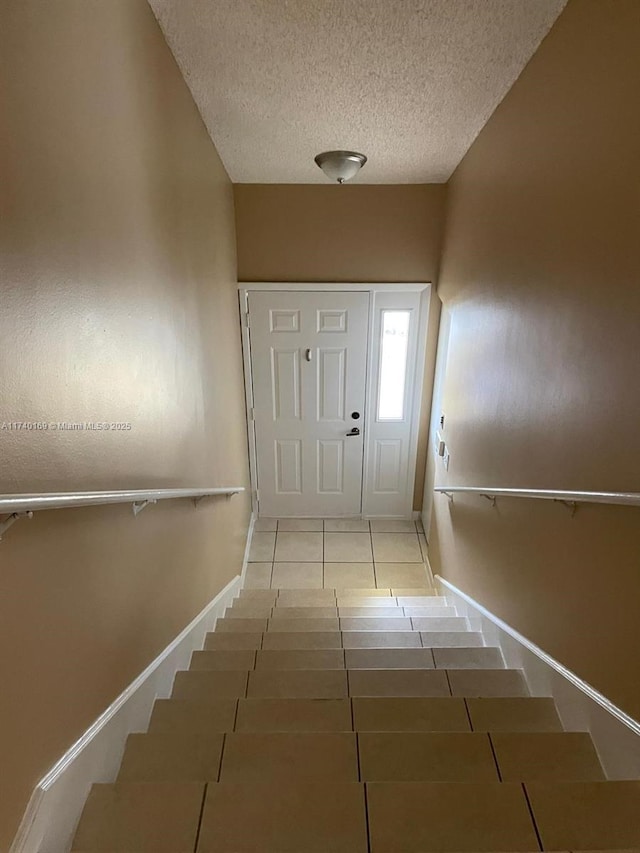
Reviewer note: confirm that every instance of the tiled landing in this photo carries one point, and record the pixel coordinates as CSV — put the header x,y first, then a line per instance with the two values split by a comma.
x,y
336,553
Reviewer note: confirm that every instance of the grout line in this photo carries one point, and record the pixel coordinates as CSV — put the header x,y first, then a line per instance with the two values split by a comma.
x,y
466,707
366,815
533,818
200,816
224,743
495,757
358,755
353,721
373,560
446,672
235,723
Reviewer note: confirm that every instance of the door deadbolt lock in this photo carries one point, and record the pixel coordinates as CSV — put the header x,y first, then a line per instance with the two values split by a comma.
x,y
353,431
355,415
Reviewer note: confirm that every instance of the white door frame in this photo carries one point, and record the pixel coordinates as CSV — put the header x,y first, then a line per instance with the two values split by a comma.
x,y
245,287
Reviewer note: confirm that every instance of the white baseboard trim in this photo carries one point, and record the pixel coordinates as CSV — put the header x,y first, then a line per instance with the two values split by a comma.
x,y
54,809
247,549
615,734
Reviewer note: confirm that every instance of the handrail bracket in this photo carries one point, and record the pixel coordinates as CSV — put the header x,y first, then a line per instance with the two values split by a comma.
x,y
449,495
572,506
491,498
11,519
138,506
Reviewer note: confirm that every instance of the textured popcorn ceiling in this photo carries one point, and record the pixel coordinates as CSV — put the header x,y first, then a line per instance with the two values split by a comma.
x,y
410,83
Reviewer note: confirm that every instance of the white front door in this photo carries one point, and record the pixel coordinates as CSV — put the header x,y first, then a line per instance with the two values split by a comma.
x,y
308,364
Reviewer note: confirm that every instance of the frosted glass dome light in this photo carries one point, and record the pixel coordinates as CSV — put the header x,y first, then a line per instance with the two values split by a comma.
x,y
340,166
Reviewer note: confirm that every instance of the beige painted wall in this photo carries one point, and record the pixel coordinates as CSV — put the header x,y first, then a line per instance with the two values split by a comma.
x,y
118,304
351,233
540,270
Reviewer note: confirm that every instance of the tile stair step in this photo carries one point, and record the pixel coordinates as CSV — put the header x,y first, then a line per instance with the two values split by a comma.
x,y
299,625
522,714
223,659
196,717
389,659
302,640
355,601
312,817
309,597
440,639
366,757
431,817
303,715
511,715
374,623
305,818
174,757
124,816
412,714
240,624
284,593
203,685
586,815
488,683
267,611
398,682
381,639
336,639
484,657
232,641
546,757
309,659
333,657
306,598
292,684
290,756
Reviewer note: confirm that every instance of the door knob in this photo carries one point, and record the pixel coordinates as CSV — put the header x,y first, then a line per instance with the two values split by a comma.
x,y
353,431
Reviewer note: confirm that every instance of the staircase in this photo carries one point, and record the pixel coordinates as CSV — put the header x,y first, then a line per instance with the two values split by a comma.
x,y
347,721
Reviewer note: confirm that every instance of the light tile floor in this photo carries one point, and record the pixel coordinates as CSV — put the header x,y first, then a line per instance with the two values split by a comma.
x,y
315,553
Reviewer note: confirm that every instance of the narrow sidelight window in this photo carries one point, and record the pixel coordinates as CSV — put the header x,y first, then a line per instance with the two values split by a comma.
x,y
393,364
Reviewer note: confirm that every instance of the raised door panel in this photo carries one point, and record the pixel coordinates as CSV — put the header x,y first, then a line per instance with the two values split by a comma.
x,y
332,382
387,474
331,466
288,466
286,384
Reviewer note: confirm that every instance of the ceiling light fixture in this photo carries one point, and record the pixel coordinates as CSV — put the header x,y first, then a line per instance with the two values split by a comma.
x,y
340,166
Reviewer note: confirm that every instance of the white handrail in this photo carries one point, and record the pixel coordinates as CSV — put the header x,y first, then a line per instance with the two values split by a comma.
x,y
24,505
623,498
66,500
